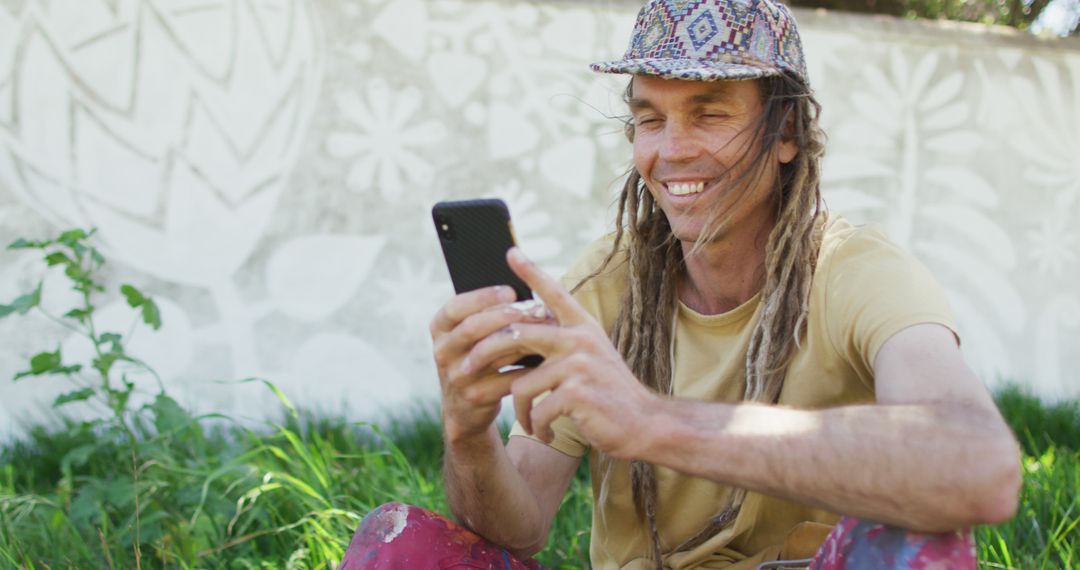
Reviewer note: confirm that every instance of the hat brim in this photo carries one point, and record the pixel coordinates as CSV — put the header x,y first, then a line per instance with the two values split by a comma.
x,y
687,69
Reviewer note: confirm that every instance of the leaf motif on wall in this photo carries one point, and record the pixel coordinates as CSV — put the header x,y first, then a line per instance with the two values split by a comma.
x,y
532,224
330,371
943,91
982,231
413,295
984,350
1056,334
843,199
311,277
510,132
569,165
933,202
1052,143
988,283
949,117
567,30
955,142
404,25
456,76
8,38
168,349
965,184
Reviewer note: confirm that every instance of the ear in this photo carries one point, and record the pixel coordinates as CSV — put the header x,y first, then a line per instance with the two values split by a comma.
x,y
786,151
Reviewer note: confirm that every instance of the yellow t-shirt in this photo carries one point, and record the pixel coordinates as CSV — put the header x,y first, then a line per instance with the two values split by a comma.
x,y
865,290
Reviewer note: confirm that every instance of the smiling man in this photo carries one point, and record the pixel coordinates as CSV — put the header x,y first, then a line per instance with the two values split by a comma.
x,y
751,379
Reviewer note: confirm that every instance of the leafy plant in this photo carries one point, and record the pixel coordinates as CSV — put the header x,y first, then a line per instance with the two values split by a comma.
x,y
128,436
152,486
80,262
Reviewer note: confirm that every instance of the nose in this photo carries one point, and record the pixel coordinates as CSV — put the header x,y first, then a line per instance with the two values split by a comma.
x,y
677,144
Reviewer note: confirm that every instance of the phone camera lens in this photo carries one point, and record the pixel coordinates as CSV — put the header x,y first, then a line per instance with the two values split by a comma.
x,y
445,229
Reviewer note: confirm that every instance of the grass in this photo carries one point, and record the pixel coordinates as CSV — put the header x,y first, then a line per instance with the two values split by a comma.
x,y
200,494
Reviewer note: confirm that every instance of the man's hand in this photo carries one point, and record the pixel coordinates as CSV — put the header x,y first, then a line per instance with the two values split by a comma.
x,y
588,379
507,495
470,400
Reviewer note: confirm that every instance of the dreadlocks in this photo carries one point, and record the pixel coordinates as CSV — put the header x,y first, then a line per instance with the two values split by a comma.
x,y
642,330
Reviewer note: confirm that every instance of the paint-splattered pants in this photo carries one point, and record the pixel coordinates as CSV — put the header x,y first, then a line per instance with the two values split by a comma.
x,y
396,536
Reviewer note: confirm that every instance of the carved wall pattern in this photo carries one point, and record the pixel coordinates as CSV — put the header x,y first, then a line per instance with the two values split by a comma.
x,y
265,169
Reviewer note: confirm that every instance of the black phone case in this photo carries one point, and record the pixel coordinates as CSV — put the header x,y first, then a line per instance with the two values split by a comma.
x,y
475,252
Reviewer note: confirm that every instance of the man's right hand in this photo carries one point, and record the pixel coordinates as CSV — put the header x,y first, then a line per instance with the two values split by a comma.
x,y
471,401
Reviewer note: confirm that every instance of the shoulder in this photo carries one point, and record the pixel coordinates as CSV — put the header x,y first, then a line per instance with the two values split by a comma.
x,y
861,260
598,286
844,243
591,261
867,288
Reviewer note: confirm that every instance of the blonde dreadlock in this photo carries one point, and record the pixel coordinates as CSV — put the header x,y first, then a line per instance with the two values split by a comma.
x,y
642,330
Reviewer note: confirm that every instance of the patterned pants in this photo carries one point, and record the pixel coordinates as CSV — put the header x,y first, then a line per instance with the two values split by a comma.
x,y
396,536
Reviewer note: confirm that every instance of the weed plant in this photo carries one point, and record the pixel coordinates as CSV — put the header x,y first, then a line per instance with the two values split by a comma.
x,y
153,486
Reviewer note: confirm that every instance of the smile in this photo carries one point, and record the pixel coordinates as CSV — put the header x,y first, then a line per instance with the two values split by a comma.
x,y
683,189
687,188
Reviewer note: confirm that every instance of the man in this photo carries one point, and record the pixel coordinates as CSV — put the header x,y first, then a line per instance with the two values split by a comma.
x,y
737,365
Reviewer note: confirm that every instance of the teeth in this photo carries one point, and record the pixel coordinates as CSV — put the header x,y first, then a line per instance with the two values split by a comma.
x,y
684,189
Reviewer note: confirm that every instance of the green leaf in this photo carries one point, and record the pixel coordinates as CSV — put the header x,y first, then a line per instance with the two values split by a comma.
x,y
133,295
113,338
79,314
43,362
118,399
168,415
76,273
47,363
104,363
26,244
120,492
151,315
57,257
79,456
75,396
23,304
71,237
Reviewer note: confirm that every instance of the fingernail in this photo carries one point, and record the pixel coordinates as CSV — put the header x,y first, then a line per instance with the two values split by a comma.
x,y
507,293
466,366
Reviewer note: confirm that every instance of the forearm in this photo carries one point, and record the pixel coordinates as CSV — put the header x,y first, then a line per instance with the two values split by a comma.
x,y
488,495
933,467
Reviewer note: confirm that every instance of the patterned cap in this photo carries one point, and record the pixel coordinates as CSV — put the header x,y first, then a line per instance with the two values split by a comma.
x,y
711,40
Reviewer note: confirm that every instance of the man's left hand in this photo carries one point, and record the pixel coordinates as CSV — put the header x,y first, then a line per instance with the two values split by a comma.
x,y
588,379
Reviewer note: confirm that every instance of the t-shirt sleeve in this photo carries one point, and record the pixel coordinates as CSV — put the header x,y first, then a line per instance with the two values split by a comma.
x,y
874,289
567,438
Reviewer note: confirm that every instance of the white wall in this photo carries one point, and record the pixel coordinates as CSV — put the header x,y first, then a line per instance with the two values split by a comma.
x,y
265,169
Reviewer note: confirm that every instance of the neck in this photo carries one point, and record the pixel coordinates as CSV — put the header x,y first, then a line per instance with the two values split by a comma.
x,y
726,273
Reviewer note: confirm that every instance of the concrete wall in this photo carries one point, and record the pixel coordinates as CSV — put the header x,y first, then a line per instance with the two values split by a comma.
x,y
265,169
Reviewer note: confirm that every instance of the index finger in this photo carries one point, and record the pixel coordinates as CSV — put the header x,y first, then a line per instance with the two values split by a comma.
x,y
561,303
466,304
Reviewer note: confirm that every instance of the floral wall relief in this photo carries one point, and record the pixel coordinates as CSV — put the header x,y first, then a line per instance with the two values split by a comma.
x,y
266,168
1051,240
911,157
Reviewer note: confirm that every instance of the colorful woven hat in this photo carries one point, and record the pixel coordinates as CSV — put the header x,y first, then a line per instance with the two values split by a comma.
x,y
710,40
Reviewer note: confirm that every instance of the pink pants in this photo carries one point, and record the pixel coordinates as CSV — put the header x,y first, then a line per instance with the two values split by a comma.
x,y
401,537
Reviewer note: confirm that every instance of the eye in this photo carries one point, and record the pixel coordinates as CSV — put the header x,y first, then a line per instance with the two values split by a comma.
x,y
647,121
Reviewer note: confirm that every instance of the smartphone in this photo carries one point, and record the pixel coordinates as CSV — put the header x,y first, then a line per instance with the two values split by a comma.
x,y
475,236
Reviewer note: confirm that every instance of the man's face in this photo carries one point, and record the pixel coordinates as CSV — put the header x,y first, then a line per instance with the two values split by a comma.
x,y
688,134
